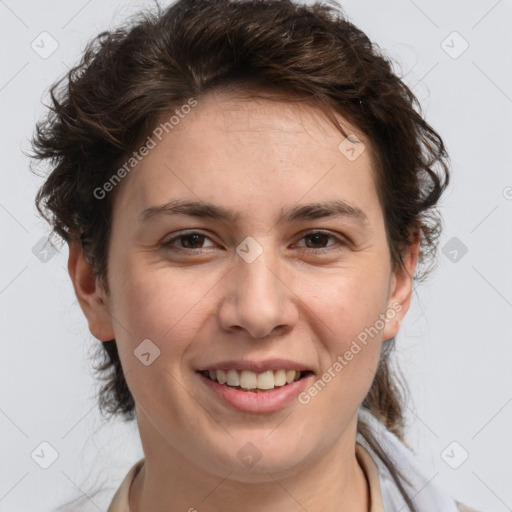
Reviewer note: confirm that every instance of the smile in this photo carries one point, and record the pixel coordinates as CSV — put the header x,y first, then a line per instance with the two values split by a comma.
x,y
255,392
246,380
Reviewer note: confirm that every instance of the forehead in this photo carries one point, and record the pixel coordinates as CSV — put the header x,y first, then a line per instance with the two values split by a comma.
x,y
254,116
246,150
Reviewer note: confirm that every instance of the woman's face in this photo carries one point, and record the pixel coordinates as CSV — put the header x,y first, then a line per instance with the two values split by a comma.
x,y
259,281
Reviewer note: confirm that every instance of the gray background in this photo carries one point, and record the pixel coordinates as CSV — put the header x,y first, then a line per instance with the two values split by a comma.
x,y
455,346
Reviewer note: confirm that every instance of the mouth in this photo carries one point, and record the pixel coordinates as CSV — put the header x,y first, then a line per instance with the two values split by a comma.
x,y
253,382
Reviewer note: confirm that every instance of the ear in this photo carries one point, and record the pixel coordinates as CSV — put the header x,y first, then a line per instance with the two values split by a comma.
x,y
401,288
90,294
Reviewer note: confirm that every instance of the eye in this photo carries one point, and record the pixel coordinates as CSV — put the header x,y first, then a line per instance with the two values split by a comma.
x,y
316,242
192,241
320,238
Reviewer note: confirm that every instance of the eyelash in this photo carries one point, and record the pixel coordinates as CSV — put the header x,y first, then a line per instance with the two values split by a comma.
x,y
169,243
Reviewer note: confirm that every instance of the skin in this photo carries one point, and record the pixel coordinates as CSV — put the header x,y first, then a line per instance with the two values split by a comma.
x,y
258,158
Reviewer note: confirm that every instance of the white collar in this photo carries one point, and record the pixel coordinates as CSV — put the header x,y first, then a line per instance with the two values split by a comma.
x,y
426,494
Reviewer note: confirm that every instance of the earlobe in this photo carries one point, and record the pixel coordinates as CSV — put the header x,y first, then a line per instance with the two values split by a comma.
x,y
401,287
90,294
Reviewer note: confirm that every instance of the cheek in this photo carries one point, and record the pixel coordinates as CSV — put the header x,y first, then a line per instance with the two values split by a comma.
x,y
349,319
158,305
156,320
153,298
348,301
349,316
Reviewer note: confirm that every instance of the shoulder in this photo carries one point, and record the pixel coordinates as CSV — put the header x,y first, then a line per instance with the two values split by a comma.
x,y
120,501
465,508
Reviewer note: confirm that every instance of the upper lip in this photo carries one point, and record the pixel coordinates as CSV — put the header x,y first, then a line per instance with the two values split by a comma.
x,y
257,366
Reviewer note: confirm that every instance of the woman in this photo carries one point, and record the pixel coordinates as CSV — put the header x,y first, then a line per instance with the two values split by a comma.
x,y
247,190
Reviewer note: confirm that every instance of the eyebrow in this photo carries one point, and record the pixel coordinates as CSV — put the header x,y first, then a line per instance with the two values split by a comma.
x,y
330,209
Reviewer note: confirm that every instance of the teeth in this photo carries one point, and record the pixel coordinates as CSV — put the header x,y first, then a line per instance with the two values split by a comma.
x,y
233,378
250,380
221,377
280,378
266,380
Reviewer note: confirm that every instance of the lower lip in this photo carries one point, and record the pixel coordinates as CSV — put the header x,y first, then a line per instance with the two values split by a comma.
x,y
266,401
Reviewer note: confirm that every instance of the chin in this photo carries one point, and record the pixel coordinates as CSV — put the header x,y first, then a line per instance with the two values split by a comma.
x,y
251,458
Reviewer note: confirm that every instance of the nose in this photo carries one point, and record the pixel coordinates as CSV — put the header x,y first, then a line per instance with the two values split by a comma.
x,y
258,298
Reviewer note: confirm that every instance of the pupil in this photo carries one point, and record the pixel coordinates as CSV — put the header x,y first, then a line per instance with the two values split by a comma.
x,y
317,238
195,237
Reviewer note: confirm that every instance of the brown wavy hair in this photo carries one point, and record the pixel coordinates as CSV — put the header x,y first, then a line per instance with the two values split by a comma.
x,y
128,78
